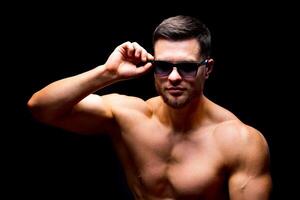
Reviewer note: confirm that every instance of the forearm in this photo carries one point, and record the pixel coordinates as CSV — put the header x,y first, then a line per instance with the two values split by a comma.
x,y
58,98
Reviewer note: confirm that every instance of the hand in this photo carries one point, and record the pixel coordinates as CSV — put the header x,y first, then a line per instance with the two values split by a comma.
x,y
123,62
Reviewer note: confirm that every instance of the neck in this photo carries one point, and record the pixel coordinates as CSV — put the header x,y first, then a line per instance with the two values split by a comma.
x,y
186,118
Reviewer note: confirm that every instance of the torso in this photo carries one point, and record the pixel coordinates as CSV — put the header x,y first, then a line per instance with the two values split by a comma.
x,y
161,163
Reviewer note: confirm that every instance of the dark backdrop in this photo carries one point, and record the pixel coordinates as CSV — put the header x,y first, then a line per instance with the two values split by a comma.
x,y
52,41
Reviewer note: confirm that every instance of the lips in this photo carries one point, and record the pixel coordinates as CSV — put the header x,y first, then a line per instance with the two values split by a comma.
x,y
175,91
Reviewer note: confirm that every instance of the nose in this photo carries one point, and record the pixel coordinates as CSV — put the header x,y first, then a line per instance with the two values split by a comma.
x,y
174,76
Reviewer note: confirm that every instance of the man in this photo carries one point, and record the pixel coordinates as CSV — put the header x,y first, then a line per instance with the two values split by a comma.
x,y
179,145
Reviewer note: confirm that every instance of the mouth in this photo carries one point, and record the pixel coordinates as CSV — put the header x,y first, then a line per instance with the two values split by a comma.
x,y
175,91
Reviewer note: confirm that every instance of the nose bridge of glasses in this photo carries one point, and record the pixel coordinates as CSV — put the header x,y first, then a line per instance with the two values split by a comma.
x,y
172,67
174,73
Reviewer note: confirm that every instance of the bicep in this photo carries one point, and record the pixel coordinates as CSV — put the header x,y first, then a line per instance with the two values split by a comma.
x,y
250,178
243,186
92,115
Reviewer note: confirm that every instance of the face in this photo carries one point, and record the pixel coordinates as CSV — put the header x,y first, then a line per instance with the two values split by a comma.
x,y
176,89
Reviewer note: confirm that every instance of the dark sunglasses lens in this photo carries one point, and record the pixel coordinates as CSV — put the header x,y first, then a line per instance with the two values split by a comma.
x,y
162,68
188,69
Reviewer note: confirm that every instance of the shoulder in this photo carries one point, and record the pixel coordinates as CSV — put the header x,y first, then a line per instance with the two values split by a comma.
x,y
119,103
219,114
240,143
154,102
238,132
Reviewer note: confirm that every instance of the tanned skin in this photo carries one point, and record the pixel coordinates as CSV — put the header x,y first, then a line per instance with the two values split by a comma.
x,y
176,146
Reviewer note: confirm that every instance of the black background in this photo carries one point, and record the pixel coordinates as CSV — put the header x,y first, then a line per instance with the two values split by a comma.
x,y
252,77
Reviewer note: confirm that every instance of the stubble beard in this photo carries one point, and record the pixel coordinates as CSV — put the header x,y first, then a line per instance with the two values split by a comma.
x,y
176,102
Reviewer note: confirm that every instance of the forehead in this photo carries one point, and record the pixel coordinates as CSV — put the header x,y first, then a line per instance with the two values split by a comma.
x,y
176,50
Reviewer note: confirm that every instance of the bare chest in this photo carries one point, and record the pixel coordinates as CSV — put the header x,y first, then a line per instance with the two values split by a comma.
x,y
173,164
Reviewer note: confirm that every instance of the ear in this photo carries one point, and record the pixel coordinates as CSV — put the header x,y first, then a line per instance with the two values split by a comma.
x,y
209,67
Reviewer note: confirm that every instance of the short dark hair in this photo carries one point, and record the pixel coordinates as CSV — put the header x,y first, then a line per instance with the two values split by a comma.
x,y
184,27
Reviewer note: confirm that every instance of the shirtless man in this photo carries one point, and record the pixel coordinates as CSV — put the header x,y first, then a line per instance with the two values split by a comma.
x,y
179,145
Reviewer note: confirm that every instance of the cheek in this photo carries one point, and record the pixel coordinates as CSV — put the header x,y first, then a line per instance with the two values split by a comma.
x,y
200,78
199,84
157,83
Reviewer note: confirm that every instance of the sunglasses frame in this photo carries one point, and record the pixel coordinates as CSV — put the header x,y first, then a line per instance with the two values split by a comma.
x,y
178,66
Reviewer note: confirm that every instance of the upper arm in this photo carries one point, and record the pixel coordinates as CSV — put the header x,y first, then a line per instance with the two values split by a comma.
x,y
91,115
250,176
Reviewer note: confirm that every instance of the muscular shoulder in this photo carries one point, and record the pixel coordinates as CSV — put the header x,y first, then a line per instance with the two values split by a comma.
x,y
240,143
123,103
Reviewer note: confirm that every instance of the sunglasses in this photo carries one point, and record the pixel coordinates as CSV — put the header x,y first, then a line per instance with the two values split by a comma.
x,y
186,69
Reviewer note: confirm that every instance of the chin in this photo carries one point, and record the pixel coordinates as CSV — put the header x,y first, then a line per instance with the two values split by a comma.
x,y
176,105
176,102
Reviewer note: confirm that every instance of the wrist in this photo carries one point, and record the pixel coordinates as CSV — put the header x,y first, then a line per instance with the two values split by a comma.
x,y
107,73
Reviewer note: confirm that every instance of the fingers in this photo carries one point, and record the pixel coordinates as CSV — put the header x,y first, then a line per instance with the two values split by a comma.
x,y
140,52
144,69
126,49
136,52
150,57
